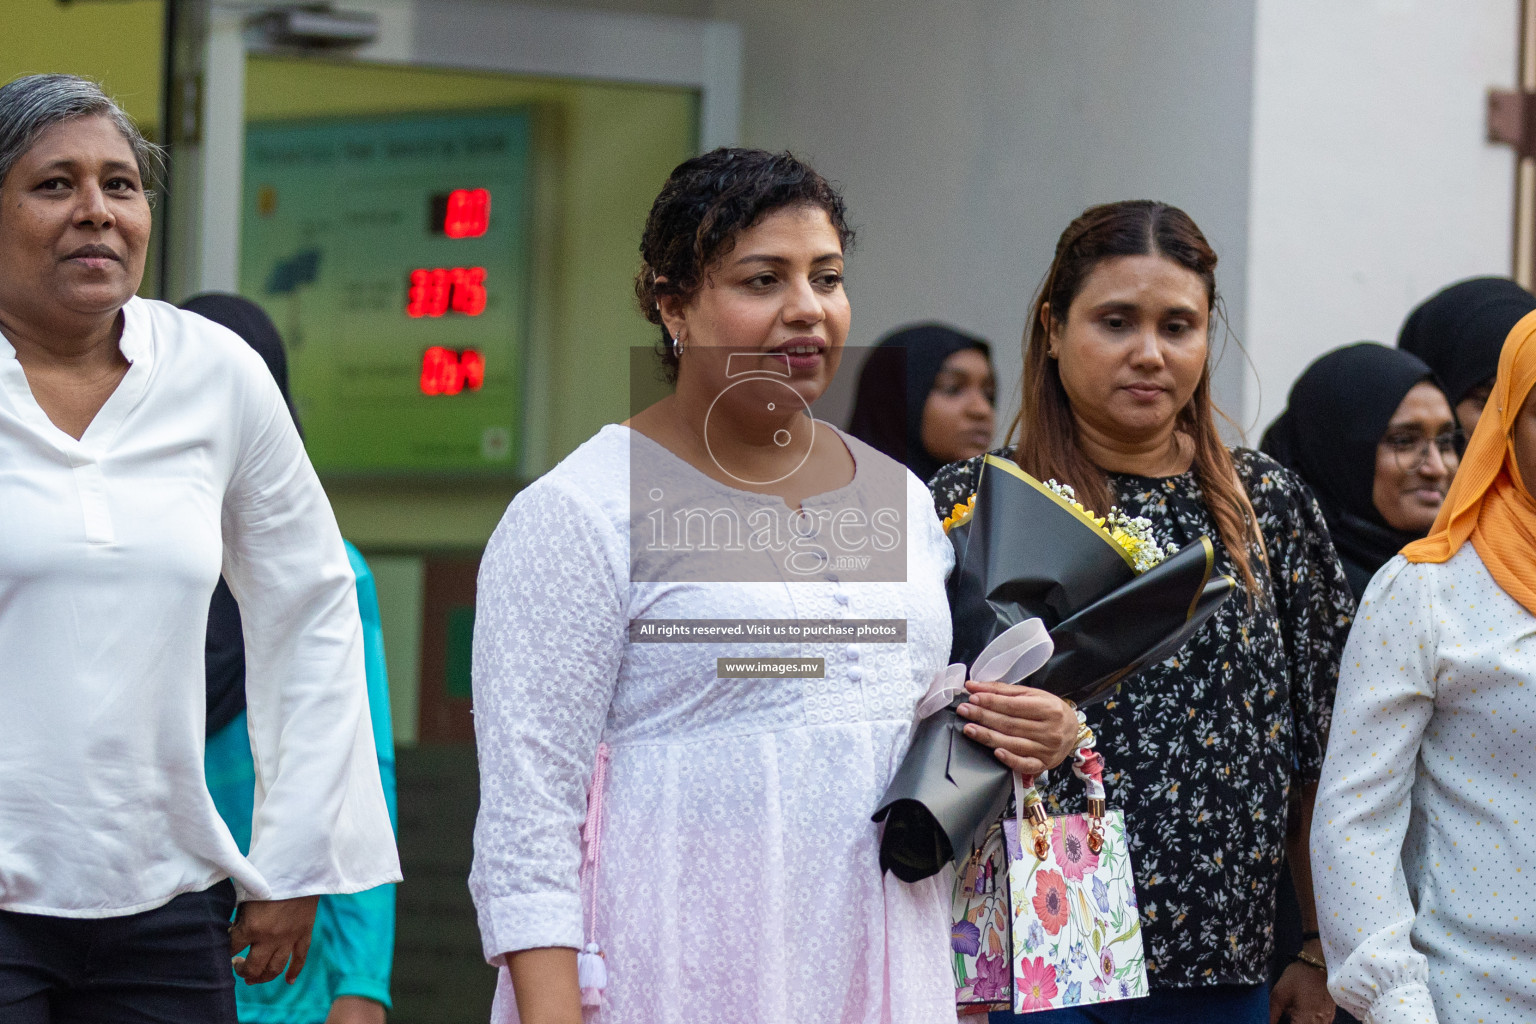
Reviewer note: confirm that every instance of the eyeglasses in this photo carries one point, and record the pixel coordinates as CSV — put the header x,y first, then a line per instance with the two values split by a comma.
x,y
1412,450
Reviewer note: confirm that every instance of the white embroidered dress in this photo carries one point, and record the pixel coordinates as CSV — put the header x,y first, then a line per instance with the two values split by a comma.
x,y
739,879
1424,834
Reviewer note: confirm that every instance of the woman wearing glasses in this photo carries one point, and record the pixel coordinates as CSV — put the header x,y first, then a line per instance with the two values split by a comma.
x,y
1372,434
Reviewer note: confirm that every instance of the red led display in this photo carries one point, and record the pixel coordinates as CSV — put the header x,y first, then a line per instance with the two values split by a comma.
x,y
472,369
439,291
448,372
467,213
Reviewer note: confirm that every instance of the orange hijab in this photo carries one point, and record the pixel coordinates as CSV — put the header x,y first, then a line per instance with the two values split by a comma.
x,y
1487,503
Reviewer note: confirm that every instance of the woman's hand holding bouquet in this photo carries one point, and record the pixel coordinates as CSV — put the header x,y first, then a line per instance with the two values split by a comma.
x,y
1044,590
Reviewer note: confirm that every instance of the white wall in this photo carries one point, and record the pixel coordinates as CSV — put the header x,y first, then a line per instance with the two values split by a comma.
x,y
967,136
1373,186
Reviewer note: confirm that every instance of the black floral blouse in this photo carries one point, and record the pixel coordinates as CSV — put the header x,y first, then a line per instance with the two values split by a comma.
x,y
1200,750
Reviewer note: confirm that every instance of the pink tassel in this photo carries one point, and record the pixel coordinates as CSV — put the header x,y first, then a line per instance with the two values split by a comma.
x,y
591,975
591,969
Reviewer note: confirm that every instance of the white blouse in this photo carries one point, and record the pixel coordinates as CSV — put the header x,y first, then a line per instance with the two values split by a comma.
x,y
110,547
1424,835
739,878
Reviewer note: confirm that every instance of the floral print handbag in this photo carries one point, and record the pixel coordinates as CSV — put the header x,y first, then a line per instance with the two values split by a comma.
x,y
1050,922
1076,927
980,935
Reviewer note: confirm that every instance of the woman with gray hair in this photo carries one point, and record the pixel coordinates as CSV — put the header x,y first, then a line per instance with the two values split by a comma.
x,y
143,450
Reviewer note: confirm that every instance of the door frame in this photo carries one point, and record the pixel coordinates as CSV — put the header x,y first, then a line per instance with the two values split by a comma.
x,y
203,245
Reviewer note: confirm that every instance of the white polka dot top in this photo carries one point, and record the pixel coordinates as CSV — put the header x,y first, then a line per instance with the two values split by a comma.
x,y
1424,836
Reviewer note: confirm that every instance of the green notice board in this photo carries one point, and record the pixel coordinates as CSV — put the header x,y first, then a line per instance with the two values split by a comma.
x,y
393,255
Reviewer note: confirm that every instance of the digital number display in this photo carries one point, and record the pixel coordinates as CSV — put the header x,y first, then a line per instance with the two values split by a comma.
x,y
445,371
462,213
440,291
374,243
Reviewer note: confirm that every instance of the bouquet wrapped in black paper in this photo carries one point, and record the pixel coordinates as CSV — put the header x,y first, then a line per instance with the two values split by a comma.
x,y
1112,603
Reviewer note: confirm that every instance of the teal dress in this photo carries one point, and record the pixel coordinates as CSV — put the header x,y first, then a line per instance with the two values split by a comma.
x,y
354,938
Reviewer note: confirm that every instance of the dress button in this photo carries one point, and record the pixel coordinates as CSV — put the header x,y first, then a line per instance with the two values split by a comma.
x,y
840,597
832,577
853,653
855,673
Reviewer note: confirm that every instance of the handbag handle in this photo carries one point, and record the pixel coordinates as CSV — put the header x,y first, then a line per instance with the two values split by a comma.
x,y
1088,765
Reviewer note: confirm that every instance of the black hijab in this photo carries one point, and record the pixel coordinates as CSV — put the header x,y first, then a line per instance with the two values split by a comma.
x,y
1460,331
893,389
224,648
1338,411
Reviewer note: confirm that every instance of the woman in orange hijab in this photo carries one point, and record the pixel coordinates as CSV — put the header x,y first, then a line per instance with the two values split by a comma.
x,y
1419,858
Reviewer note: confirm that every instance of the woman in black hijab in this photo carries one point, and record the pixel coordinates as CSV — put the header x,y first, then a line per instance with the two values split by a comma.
x,y
926,398
224,650
1369,430
1460,332
1372,434
353,938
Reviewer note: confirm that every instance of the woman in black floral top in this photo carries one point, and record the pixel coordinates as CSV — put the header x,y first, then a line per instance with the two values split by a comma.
x,y
1201,750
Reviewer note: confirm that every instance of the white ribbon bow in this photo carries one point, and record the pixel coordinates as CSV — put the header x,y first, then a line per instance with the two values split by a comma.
x,y
1016,653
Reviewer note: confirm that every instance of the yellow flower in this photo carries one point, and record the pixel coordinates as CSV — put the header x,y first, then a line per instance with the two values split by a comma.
x,y
1134,535
961,513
